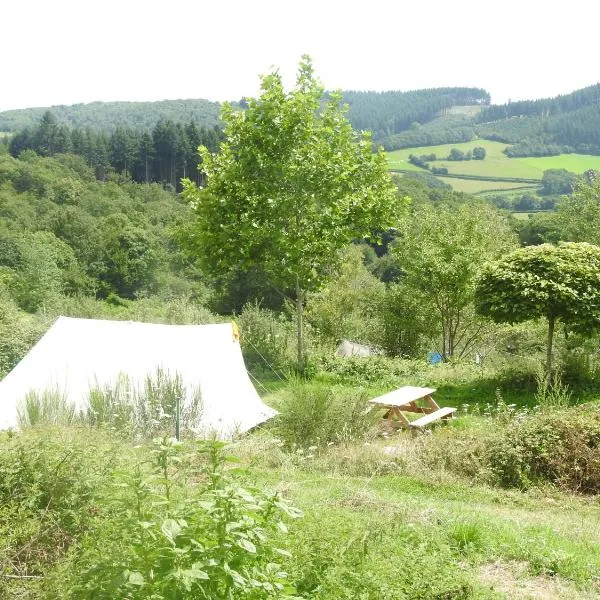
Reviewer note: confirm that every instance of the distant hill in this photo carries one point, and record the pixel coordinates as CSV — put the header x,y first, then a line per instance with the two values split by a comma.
x,y
107,116
389,113
383,113
545,127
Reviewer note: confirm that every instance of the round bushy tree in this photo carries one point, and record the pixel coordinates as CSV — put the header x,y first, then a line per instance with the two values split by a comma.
x,y
558,283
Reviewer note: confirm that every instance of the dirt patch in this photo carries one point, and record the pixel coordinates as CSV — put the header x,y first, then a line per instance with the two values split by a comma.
x,y
514,580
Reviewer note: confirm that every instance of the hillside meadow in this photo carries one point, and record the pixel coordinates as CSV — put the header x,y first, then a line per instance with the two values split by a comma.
x,y
495,164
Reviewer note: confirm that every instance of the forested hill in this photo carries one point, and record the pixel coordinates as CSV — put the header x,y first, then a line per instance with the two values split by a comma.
x,y
108,116
544,107
383,113
387,113
544,127
550,126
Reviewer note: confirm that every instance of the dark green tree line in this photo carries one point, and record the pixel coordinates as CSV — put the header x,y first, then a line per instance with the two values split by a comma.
x,y
164,154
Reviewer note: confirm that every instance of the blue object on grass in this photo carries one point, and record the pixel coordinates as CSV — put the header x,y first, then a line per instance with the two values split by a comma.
x,y
434,358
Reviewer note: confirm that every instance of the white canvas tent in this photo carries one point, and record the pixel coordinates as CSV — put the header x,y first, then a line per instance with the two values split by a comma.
x,y
76,355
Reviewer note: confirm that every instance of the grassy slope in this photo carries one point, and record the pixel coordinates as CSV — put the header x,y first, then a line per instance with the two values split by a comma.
x,y
496,164
441,521
475,186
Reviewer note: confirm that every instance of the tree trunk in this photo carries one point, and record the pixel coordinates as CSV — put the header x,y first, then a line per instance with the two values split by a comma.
x,y
551,320
299,327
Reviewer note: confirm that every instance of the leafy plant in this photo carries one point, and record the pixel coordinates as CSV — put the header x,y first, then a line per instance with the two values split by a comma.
x,y
557,446
172,544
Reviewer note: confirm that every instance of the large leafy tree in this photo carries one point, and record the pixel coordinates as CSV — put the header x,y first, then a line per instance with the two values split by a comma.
x,y
578,216
293,183
558,283
440,250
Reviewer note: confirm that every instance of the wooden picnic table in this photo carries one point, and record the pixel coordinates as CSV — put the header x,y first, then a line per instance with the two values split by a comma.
x,y
413,400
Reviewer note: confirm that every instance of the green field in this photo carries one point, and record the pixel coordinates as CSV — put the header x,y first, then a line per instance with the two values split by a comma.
x,y
475,186
578,163
495,164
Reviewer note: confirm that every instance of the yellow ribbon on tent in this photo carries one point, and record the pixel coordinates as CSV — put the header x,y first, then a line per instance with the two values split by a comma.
x,y
235,331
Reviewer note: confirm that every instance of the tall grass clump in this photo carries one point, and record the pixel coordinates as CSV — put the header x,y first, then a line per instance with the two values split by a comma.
x,y
48,407
162,405
268,341
111,405
320,414
553,393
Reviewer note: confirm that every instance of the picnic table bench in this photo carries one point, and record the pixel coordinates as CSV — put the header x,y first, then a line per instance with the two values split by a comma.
x,y
413,400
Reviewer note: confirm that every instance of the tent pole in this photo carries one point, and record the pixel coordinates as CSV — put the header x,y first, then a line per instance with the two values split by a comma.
x,y
177,418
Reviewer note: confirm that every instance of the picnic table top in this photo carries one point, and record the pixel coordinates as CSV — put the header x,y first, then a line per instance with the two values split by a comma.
x,y
402,396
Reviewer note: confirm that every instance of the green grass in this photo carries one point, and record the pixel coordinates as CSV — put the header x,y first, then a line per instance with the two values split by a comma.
x,y
355,525
495,164
474,186
577,163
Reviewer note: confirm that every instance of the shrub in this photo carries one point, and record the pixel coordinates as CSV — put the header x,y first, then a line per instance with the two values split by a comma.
x,y
370,370
48,497
317,414
561,446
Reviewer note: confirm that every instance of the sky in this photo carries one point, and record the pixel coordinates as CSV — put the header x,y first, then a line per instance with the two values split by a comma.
x,y
79,51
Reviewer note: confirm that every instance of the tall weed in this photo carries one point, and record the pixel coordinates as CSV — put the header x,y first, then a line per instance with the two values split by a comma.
x,y
49,407
167,540
162,405
319,414
553,393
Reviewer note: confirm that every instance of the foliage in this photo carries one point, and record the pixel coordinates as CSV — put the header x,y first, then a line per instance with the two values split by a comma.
x,y
267,339
406,328
165,154
553,282
18,332
107,116
315,414
558,446
578,216
366,371
558,181
440,249
64,234
49,491
347,307
167,543
388,113
292,185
